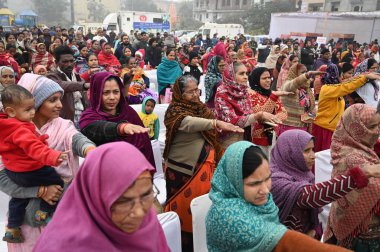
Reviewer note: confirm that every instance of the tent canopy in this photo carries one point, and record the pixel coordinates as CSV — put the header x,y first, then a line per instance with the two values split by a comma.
x,y
28,13
4,11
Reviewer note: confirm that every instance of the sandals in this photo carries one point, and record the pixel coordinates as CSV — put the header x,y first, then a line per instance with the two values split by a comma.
x,y
13,235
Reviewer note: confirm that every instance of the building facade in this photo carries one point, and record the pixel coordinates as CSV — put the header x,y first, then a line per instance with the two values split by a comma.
x,y
212,10
342,5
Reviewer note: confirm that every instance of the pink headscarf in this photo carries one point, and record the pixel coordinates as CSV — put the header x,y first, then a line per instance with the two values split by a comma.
x,y
83,221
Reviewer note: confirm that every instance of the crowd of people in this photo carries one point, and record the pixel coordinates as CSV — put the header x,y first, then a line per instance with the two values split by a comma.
x,y
250,142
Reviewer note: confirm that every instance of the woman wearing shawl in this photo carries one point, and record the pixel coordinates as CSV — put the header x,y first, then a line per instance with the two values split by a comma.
x,y
301,105
354,219
250,61
191,128
213,77
110,118
290,61
271,60
80,60
42,57
370,91
218,50
7,77
62,137
294,191
262,98
318,81
167,72
243,216
106,216
232,104
7,60
94,47
331,103
108,60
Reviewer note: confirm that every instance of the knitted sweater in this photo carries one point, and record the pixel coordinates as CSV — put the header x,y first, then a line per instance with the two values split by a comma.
x,y
291,103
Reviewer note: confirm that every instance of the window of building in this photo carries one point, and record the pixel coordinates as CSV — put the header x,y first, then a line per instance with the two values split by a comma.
x,y
335,6
357,8
237,2
224,3
315,7
228,2
245,2
378,5
207,2
206,15
197,3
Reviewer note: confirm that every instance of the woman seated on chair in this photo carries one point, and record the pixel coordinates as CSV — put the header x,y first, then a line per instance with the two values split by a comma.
x,y
294,191
115,210
243,216
191,151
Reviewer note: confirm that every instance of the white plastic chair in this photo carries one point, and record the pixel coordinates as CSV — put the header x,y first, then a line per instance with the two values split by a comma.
x,y
172,228
159,177
199,208
323,169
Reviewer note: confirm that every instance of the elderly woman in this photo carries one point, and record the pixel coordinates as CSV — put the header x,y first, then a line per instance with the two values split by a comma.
x,y
62,137
113,206
262,98
354,219
110,118
213,77
331,103
294,191
301,104
232,104
243,216
167,73
191,150
7,77
370,91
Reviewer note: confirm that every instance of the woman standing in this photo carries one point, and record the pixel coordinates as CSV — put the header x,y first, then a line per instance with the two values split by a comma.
x,y
290,61
213,78
191,128
300,105
263,99
232,104
105,206
331,103
167,73
110,118
62,137
354,219
370,91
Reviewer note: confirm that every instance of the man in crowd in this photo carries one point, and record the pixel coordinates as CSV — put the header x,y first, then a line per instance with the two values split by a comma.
x,y
122,45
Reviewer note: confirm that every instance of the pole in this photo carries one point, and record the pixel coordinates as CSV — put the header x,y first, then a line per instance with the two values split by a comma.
x,y
72,12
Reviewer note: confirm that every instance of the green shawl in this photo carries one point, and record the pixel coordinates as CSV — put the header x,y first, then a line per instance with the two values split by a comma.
x,y
233,224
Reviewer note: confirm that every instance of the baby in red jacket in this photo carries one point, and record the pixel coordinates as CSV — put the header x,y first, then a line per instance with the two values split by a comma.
x,y
26,157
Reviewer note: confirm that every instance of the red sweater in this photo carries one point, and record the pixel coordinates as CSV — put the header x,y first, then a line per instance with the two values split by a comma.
x,y
21,148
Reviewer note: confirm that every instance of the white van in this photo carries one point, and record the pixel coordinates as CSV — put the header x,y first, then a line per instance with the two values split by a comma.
x,y
221,29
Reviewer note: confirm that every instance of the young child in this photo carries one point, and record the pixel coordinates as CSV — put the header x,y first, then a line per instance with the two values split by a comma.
x,y
150,119
40,70
26,157
193,68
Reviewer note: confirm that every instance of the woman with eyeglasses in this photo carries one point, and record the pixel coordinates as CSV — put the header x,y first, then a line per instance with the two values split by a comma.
x,y
112,203
369,92
192,150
